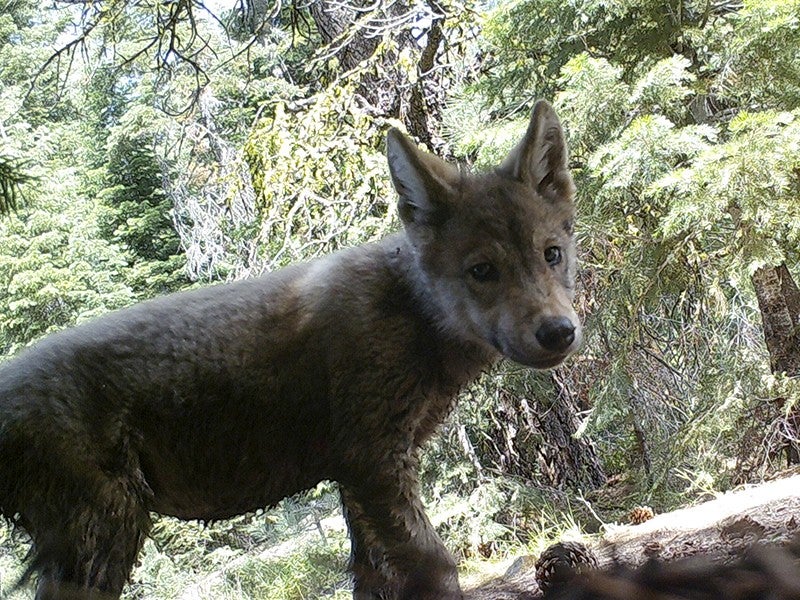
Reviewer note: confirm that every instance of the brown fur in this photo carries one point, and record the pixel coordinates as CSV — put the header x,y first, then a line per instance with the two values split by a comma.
x,y
209,403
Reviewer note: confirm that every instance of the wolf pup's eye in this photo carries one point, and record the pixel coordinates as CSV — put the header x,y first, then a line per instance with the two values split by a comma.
x,y
484,272
552,255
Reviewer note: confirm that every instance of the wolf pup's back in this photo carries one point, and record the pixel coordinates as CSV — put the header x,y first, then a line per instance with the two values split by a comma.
x,y
209,403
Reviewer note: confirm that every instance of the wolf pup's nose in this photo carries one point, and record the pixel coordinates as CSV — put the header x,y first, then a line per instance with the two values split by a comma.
x,y
556,334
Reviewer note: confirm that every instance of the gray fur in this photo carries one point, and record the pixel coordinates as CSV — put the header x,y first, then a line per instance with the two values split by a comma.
x,y
213,402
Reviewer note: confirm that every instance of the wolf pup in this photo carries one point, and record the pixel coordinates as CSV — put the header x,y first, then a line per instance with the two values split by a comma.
x,y
210,403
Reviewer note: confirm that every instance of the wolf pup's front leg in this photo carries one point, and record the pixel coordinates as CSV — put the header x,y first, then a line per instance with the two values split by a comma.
x,y
395,551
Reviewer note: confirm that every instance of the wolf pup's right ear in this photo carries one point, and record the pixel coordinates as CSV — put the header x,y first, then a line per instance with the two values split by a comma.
x,y
423,181
540,158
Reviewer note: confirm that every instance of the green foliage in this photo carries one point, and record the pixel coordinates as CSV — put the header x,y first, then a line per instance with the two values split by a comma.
x,y
135,212
686,186
682,118
739,199
593,102
54,268
252,82
13,549
284,552
496,516
302,573
25,45
648,147
531,41
486,145
320,177
757,54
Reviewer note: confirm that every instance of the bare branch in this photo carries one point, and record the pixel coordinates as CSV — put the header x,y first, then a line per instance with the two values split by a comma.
x,y
67,49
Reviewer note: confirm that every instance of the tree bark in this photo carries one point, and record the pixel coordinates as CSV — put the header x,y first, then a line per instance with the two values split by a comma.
x,y
779,302
333,21
386,88
424,101
573,460
534,438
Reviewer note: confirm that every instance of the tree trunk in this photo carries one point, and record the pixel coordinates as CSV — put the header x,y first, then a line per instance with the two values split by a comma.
x,y
639,433
779,302
12,176
254,16
535,438
333,21
353,43
572,460
426,96
353,37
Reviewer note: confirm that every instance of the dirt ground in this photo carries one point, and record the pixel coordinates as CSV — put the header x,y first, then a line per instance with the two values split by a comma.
x,y
720,529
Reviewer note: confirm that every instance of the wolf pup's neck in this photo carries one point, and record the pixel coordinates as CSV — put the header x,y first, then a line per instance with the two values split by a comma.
x,y
466,355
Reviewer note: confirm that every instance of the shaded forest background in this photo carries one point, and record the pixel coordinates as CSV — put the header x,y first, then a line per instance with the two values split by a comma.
x,y
149,146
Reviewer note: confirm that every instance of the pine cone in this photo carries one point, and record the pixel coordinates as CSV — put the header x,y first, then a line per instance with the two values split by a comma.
x,y
559,563
640,514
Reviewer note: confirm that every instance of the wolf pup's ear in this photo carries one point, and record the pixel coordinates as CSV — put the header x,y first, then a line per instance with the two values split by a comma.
x,y
540,158
423,181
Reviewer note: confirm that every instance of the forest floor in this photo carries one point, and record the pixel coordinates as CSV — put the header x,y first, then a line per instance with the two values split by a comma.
x,y
720,529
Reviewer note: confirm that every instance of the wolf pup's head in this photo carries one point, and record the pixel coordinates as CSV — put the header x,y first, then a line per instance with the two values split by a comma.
x,y
496,252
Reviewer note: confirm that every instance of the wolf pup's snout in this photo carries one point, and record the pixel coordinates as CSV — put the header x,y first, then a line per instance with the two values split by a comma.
x,y
496,251
556,334
335,369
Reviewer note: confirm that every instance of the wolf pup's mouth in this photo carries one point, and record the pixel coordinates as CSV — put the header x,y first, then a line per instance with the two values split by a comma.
x,y
542,360
546,363
538,362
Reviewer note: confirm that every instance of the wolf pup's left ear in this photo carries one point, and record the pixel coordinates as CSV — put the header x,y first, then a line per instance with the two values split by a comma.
x,y
540,158
423,181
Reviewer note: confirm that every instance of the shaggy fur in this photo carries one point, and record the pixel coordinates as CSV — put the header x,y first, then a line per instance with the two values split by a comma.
x,y
210,403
